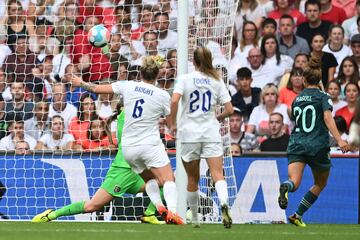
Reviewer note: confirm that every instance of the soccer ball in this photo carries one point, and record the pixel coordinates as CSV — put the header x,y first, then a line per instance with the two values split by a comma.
x,y
99,36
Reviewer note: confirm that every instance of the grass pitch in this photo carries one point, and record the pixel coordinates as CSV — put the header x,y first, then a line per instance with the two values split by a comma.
x,y
128,231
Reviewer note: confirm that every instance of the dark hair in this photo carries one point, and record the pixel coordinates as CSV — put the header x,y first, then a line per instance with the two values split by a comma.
x,y
158,14
341,76
150,32
312,74
287,16
330,82
301,54
336,26
340,123
242,41
268,21
243,72
294,71
114,116
89,132
351,83
263,51
312,2
80,113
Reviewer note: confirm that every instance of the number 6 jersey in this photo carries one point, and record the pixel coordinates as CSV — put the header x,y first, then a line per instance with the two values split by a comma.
x,y
200,95
310,133
144,105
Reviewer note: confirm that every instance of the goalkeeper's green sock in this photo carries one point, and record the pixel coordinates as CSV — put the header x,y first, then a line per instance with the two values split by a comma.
x,y
151,209
71,209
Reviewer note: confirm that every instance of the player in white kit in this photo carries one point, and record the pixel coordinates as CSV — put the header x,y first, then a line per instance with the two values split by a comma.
x,y
199,128
144,105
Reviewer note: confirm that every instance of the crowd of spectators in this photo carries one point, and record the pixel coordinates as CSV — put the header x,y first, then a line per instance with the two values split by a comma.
x,y
43,43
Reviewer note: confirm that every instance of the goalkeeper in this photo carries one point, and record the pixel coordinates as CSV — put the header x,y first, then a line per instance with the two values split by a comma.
x,y
120,179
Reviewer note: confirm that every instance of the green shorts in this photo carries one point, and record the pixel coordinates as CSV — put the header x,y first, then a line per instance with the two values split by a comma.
x,y
119,181
320,162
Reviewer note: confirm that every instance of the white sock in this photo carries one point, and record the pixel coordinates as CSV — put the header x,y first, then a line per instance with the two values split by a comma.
x,y
222,191
153,191
193,201
170,195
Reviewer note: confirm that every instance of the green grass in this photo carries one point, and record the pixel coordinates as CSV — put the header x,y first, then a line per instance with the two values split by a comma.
x,y
128,231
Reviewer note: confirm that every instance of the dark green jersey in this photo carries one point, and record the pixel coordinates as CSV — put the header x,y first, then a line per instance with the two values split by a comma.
x,y
119,160
310,133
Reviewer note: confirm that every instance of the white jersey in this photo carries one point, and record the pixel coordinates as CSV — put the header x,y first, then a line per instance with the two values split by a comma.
x,y
144,104
200,95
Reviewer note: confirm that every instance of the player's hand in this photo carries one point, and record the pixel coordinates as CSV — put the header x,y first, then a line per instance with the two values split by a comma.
x,y
173,131
344,146
76,81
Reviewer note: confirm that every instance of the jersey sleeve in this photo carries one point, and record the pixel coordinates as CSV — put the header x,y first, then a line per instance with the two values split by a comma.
x,y
327,103
179,85
119,87
224,93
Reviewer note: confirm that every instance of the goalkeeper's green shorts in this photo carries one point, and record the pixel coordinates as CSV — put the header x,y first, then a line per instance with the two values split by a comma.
x,y
119,181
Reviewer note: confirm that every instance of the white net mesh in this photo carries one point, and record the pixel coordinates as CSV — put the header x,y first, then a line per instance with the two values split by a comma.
x,y
42,44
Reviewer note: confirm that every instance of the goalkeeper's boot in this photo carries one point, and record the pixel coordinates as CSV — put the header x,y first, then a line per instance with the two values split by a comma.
x,y
297,221
226,218
42,217
152,219
283,196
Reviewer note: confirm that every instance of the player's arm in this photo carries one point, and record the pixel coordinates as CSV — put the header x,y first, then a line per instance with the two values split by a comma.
x,y
330,123
76,81
228,110
174,105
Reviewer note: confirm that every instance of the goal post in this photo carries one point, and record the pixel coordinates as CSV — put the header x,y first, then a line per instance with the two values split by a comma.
x,y
182,68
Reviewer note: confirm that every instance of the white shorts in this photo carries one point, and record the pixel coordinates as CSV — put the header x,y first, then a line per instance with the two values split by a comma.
x,y
145,157
196,151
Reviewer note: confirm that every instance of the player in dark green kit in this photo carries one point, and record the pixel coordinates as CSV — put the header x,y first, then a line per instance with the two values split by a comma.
x,y
120,179
309,142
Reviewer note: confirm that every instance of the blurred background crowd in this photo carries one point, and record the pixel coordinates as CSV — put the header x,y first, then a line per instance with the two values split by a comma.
x,y
43,43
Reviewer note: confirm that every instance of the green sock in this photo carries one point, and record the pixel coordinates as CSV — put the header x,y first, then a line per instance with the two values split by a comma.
x,y
306,202
71,209
151,209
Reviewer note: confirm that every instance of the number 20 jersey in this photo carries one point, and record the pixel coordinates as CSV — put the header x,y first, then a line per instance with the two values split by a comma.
x,y
144,105
310,133
200,95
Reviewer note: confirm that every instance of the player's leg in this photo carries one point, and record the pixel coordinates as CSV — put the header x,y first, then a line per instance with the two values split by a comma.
x,y
320,181
100,199
213,152
217,173
192,169
295,174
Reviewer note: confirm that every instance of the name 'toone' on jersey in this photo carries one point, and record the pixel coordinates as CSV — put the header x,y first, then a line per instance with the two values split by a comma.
x,y
200,95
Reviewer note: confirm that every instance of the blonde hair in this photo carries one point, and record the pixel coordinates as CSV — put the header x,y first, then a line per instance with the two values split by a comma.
x,y
269,87
203,61
149,69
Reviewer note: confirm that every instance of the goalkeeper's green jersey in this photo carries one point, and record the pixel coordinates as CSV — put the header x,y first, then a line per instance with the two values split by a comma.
x,y
119,160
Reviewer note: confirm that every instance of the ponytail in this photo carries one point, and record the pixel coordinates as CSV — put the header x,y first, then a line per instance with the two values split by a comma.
x,y
203,61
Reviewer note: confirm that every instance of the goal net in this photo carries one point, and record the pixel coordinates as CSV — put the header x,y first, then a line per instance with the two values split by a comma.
x,y
54,150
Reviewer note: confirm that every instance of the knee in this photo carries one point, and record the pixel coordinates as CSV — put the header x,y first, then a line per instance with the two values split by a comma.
x,y
90,207
321,185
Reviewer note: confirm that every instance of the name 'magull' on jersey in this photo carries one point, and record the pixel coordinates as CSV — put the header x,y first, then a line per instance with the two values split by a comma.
x,y
310,133
144,104
200,95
